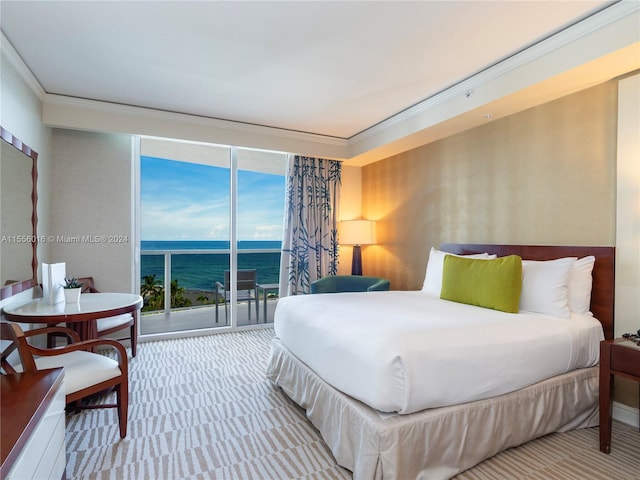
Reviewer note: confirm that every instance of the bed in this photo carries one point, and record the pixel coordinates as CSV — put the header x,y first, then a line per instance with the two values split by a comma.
x,y
394,399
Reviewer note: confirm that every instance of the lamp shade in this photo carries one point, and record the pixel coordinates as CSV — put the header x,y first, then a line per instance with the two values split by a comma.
x,y
357,232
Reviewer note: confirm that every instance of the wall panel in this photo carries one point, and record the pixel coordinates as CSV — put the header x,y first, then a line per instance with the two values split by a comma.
x,y
543,176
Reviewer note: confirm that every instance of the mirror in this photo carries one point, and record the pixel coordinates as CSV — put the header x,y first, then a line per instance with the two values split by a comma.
x,y
18,225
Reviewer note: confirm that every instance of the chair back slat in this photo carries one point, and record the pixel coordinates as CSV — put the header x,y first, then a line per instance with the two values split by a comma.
x,y
246,279
12,333
88,285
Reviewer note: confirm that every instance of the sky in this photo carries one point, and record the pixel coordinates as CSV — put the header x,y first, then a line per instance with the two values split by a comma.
x,y
188,201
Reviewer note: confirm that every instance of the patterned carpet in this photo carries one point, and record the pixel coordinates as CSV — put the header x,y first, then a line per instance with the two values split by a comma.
x,y
201,408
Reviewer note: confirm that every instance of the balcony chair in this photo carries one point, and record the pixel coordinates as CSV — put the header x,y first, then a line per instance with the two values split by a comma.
x,y
247,290
349,283
85,373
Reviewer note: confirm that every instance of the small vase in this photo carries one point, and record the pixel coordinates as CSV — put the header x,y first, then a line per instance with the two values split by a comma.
x,y
72,295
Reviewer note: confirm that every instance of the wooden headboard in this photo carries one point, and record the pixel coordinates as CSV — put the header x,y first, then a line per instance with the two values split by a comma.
x,y
603,289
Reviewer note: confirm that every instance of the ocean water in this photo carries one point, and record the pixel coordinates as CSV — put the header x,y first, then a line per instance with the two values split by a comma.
x,y
200,271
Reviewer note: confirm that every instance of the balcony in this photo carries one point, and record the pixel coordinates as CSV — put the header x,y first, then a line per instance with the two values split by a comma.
x,y
190,303
179,320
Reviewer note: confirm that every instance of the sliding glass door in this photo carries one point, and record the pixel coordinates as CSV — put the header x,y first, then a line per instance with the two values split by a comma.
x,y
260,214
210,227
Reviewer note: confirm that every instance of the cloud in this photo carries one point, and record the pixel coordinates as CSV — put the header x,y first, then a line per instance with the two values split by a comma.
x,y
184,201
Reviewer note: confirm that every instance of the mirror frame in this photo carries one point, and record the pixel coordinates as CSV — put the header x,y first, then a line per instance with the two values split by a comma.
x,y
14,288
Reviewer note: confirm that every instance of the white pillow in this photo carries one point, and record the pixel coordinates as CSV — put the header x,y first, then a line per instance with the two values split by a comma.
x,y
545,286
435,266
580,283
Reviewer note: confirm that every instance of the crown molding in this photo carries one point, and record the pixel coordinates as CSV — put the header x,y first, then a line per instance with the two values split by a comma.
x,y
142,112
77,113
389,137
470,93
16,62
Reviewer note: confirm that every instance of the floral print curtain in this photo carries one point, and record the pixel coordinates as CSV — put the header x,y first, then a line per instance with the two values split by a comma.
x,y
310,239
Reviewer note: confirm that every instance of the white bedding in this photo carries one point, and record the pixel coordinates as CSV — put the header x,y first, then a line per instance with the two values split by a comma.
x,y
403,352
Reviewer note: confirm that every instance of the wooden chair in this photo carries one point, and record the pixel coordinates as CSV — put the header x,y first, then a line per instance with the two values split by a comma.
x,y
85,373
247,289
107,326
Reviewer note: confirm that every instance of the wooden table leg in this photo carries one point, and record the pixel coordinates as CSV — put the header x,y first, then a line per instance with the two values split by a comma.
x,y
134,329
88,329
606,385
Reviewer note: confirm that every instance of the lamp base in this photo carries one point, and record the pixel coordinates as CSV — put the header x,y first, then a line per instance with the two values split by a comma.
x,y
356,261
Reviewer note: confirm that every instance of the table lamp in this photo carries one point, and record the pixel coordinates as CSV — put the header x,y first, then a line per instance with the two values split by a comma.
x,y
357,233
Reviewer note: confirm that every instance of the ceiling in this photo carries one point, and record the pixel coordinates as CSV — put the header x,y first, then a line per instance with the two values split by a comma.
x,y
334,69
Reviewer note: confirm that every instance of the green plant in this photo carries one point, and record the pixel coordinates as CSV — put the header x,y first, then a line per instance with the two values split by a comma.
x,y
153,294
203,299
72,282
177,295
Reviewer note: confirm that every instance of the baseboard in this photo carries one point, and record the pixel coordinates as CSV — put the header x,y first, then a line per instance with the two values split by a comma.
x,y
626,414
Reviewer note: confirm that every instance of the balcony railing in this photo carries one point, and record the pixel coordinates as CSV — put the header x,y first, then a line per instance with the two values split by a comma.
x,y
197,271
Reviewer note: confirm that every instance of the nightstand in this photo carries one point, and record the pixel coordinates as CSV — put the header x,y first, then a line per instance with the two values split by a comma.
x,y
617,357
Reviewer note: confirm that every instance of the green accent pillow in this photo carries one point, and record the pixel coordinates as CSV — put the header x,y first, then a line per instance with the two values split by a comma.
x,y
492,284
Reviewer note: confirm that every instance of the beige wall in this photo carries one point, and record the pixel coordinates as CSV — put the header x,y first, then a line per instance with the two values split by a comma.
x,y
628,208
543,176
21,115
627,301
350,209
91,207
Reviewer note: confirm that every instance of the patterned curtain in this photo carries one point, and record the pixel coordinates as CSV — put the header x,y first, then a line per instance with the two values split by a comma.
x,y
310,239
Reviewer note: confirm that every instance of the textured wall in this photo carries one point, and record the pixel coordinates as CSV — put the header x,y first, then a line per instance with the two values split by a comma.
x,y
92,205
628,228
20,113
544,176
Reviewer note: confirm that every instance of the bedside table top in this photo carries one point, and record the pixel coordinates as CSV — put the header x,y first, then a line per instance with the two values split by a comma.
x,y
626,342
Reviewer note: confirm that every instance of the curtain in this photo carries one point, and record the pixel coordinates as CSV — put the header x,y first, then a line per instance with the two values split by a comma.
x,y
310,239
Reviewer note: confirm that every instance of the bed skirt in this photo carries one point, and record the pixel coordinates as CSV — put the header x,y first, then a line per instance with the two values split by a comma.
x,y
436,443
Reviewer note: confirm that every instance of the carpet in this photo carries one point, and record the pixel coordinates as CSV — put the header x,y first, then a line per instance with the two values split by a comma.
x,y
201,408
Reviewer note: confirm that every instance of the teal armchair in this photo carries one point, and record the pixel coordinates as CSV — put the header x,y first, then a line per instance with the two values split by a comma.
x,y
349,283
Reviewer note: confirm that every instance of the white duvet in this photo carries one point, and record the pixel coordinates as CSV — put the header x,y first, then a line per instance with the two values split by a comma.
x,y
402,352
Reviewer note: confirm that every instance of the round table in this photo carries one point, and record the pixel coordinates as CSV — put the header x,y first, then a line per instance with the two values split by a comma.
x,y
81,316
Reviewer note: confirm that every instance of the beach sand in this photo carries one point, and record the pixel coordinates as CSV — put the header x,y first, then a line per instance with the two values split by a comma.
x,y
195,293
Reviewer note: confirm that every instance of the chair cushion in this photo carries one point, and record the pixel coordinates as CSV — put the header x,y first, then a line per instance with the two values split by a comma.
x,y
81,369
112,322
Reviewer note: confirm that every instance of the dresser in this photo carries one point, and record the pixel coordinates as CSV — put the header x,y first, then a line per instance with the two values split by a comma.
x,y
33,425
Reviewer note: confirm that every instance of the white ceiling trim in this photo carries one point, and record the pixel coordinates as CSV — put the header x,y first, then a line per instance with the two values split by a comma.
x,y
520,59
571,47
67,112
16,62
611,29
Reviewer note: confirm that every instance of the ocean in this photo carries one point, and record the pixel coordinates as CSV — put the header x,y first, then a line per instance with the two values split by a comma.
x,y
200,271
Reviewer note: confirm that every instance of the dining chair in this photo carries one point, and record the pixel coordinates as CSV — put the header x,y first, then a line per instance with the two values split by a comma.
x,y
109,325
247,290
85,373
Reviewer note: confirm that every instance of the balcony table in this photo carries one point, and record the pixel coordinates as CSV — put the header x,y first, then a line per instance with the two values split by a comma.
x,y
81,316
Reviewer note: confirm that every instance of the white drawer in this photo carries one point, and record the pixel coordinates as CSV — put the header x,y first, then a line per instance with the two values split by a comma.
x,y
39,458
51,456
